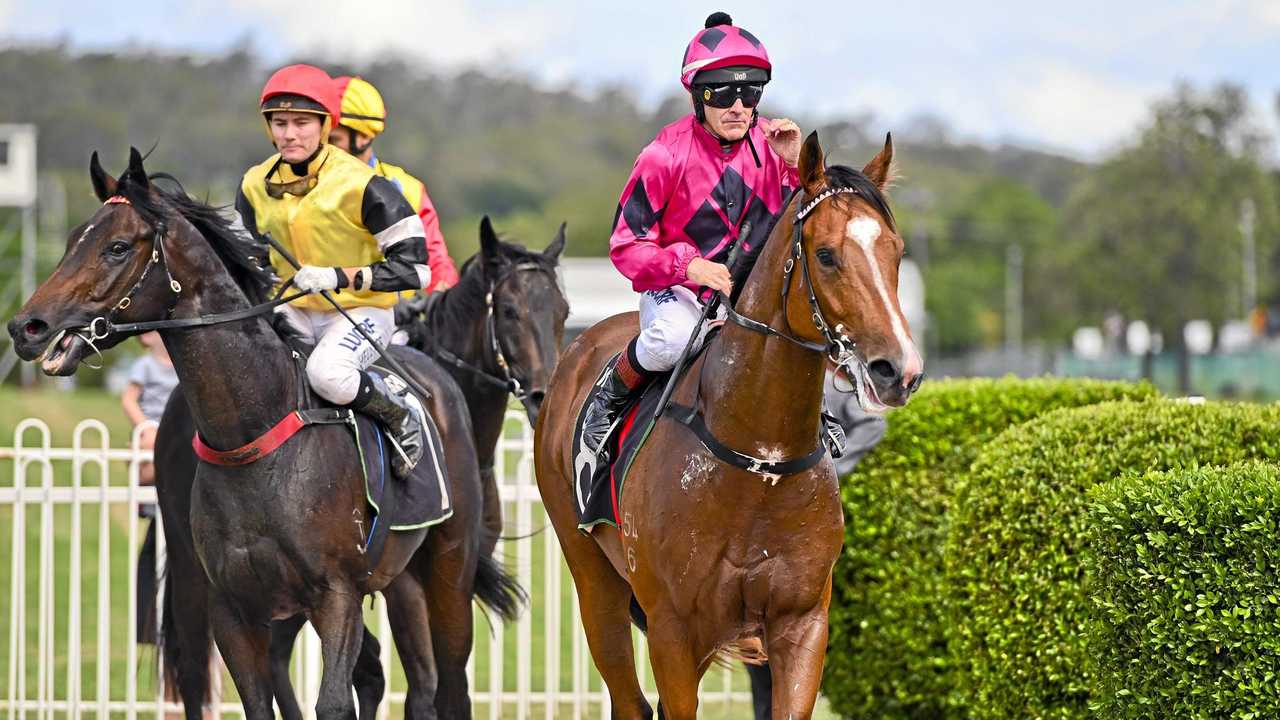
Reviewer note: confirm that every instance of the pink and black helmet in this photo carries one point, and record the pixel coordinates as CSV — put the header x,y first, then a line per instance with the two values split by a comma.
x,y
722,53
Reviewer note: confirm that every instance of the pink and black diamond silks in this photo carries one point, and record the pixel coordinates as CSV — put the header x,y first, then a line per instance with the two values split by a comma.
x,y
688,197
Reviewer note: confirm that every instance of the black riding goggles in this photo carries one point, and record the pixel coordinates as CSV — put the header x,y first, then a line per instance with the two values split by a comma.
x,y
723,96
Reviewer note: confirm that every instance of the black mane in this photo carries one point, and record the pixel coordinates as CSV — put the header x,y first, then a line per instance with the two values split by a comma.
x,y
245,259
843,176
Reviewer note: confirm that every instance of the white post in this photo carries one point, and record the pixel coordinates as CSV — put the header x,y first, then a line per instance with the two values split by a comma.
x,y
28,270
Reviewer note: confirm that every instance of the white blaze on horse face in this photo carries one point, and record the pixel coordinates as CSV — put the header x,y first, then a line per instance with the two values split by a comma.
x,y
865,231
84,234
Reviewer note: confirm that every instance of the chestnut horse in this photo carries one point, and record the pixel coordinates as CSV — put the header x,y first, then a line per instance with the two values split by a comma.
x,y
723,555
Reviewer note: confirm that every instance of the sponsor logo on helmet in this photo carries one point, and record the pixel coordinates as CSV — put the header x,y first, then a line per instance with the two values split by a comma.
x,y
706,93
739,76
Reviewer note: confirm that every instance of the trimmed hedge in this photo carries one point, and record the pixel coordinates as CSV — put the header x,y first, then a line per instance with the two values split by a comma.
x,y
887,655
1019,608
1185,572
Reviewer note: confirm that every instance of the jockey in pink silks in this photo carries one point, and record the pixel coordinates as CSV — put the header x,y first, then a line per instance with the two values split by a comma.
x,y
717,172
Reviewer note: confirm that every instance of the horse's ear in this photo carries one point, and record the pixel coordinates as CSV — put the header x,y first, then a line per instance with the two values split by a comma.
x,y
490,246
137,174
881,170
557,245
104,186
813,170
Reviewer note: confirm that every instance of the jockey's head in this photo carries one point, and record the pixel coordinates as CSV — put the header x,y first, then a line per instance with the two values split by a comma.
x,y
364,116
300,107
725,70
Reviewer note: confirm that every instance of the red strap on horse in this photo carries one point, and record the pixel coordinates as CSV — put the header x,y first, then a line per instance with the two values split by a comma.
x,y
256,450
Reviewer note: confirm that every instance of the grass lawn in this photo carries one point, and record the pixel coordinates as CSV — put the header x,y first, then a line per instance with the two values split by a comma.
x,y
528,557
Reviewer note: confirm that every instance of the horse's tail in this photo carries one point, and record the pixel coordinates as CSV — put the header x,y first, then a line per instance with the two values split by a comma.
x,y
497,590
185,638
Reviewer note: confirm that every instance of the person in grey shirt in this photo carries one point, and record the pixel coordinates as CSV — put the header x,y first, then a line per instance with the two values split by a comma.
x,y
862,430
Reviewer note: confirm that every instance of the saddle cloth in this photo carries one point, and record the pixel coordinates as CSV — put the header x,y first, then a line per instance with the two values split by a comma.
x,y
419,501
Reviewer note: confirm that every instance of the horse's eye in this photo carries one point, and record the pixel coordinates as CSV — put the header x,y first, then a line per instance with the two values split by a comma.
x,y
510,313
118,248
826,257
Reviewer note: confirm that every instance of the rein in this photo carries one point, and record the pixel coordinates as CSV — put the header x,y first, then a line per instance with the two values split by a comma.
x,y
838,348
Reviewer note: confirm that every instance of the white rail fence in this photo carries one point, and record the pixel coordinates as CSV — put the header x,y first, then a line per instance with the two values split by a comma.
x,y
72,554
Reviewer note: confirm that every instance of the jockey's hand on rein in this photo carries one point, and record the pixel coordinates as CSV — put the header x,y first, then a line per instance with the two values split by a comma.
x,y
311,278
713,275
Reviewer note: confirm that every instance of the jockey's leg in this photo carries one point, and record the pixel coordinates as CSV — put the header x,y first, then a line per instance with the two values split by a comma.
x,y
668,319
335,371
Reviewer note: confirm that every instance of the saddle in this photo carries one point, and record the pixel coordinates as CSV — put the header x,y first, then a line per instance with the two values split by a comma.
x,y
419,501
598,481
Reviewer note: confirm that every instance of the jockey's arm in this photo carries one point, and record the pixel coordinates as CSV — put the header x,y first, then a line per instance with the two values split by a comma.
x,y
636,243
398,230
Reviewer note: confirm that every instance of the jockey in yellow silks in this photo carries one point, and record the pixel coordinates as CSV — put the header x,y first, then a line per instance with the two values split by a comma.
x,y
352,231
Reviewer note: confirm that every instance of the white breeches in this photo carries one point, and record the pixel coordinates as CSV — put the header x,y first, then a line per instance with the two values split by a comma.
x,y
333,370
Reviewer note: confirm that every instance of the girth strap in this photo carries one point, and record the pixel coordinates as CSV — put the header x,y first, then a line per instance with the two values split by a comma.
x,y
272,439
694,421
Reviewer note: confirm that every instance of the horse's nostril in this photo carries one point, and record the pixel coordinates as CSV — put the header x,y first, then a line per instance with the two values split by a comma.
x,y
35,328
883,371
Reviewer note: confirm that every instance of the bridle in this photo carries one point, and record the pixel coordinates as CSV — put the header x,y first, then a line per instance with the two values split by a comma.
x,y
505,379
103,326
839,347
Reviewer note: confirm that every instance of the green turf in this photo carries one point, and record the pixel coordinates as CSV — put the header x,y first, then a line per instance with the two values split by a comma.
x,y
62,410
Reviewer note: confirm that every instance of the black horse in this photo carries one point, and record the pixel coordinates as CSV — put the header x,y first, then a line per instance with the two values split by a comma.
x,y
498,332
284,534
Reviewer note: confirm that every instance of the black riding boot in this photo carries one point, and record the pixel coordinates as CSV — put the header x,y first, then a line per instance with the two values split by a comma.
x,y
623,379
390,408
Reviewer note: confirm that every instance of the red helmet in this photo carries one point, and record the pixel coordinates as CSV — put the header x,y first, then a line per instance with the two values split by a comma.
x,y
302,88
732,50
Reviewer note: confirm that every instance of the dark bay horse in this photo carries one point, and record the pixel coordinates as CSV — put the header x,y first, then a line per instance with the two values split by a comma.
x,y
722,555
497,331
284,534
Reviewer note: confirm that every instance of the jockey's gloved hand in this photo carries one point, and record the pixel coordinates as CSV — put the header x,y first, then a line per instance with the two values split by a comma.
x,y
310,278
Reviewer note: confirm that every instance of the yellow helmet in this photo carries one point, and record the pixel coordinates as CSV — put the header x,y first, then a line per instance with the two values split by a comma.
x,y
362,106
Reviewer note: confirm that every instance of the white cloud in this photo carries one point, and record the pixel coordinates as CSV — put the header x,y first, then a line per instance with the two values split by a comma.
x,y
450,34
1070,107
6,9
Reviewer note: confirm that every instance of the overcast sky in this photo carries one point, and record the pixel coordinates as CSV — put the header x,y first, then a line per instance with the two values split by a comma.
x,y
1072,76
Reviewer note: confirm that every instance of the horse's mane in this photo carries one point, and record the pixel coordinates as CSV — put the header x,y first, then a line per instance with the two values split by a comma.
x,y
245,259
843,176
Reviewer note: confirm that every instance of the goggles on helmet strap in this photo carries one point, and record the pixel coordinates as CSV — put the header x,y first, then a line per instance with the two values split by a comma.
x,y
724,96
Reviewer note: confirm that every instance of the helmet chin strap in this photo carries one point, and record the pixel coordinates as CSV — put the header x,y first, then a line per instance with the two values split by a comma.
x,y
356,148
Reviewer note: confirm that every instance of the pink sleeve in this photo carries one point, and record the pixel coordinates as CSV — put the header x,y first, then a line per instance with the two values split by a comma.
x,y
790,177
443,273
636,246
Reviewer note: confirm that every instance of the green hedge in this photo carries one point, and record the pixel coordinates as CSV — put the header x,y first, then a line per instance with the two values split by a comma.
x,y
887,655
1019,607
1185,576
